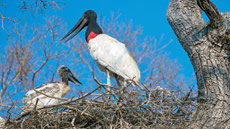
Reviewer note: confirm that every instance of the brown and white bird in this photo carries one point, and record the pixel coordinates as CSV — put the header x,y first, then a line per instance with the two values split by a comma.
x,y
111,56
48,94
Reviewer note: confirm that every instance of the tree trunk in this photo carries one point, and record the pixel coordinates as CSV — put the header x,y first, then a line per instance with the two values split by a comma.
x,y
208,47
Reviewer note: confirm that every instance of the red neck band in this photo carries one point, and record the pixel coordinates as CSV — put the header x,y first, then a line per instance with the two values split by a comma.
x,y
91,36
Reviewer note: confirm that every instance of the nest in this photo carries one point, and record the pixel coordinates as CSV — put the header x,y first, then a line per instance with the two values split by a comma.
x,y
119,108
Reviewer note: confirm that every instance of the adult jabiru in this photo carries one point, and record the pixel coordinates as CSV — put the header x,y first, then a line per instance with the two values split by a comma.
x,y
111,56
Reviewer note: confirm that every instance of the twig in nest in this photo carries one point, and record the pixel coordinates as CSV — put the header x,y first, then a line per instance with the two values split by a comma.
x,y
99,96
72,122
35,106
83,112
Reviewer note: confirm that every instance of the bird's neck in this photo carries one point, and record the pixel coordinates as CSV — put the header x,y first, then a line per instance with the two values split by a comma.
x,y
92,31
65,87
65,81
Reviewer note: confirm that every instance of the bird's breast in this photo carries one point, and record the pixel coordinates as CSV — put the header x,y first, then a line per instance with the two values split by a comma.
x,y
113,55
101,46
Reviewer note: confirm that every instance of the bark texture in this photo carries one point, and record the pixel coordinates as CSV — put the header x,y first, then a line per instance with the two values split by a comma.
x,y
208,47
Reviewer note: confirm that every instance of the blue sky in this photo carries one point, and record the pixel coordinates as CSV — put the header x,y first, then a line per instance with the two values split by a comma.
x,y
149,14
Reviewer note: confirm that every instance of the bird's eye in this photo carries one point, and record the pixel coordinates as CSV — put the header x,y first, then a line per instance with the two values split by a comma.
x,y
86,13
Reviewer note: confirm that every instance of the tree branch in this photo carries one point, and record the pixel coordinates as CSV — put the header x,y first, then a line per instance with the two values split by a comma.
x,y
184,17
212,12
3,19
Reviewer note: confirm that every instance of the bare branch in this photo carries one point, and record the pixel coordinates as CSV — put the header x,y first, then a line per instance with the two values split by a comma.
x,y
3,20
40,5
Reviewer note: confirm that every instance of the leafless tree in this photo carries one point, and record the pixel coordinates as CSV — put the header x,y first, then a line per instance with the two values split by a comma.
x,y
39,5
29,58
208,47
33,6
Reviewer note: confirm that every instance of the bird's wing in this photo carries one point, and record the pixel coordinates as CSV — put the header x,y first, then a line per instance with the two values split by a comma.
x,y
49,89
114,56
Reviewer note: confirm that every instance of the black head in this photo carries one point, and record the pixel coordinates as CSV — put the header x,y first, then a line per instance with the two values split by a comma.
x,y
66,75
90,15
88,19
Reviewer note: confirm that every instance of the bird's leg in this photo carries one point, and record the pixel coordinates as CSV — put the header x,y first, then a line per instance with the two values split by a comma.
x,y
120,93
125,83
124,86
108,77
109,84
117,80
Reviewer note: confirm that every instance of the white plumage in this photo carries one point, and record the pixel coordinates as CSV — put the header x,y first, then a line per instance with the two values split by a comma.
x,y
112,55
57,90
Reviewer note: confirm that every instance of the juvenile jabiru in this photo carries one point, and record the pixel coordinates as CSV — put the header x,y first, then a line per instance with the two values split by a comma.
x,y
48,94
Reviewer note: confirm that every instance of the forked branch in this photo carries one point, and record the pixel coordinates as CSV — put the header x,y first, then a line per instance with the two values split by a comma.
x,y
212,12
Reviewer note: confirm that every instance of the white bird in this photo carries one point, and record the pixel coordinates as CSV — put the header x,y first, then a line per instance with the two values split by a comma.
x,y
50,93
111,56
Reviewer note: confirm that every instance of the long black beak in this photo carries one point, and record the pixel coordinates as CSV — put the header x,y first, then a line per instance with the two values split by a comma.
x,y
78,27
73,79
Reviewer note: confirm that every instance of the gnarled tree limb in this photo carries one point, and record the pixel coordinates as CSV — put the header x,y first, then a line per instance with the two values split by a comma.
x,y
208,47
212,12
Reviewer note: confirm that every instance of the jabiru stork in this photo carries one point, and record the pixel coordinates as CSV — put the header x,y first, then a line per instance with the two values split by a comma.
x,y
111,56
48,94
